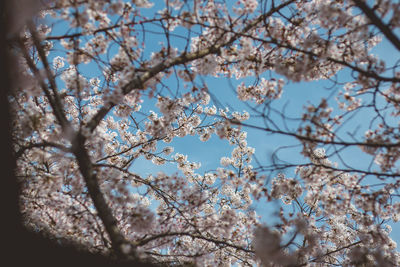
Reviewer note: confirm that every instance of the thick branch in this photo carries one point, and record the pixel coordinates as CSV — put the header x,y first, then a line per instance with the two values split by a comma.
x,y
56,109
104,211
43,144
378,23
55,100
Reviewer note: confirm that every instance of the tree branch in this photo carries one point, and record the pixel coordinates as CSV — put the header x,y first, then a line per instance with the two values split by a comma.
x,y
55,99
378,23
104,211
209,239
43,144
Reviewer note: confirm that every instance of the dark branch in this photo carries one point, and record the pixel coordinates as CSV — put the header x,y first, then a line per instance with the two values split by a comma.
x,y
378,23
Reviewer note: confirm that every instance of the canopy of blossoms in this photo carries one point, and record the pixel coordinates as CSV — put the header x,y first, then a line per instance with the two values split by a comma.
x,y
103,84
